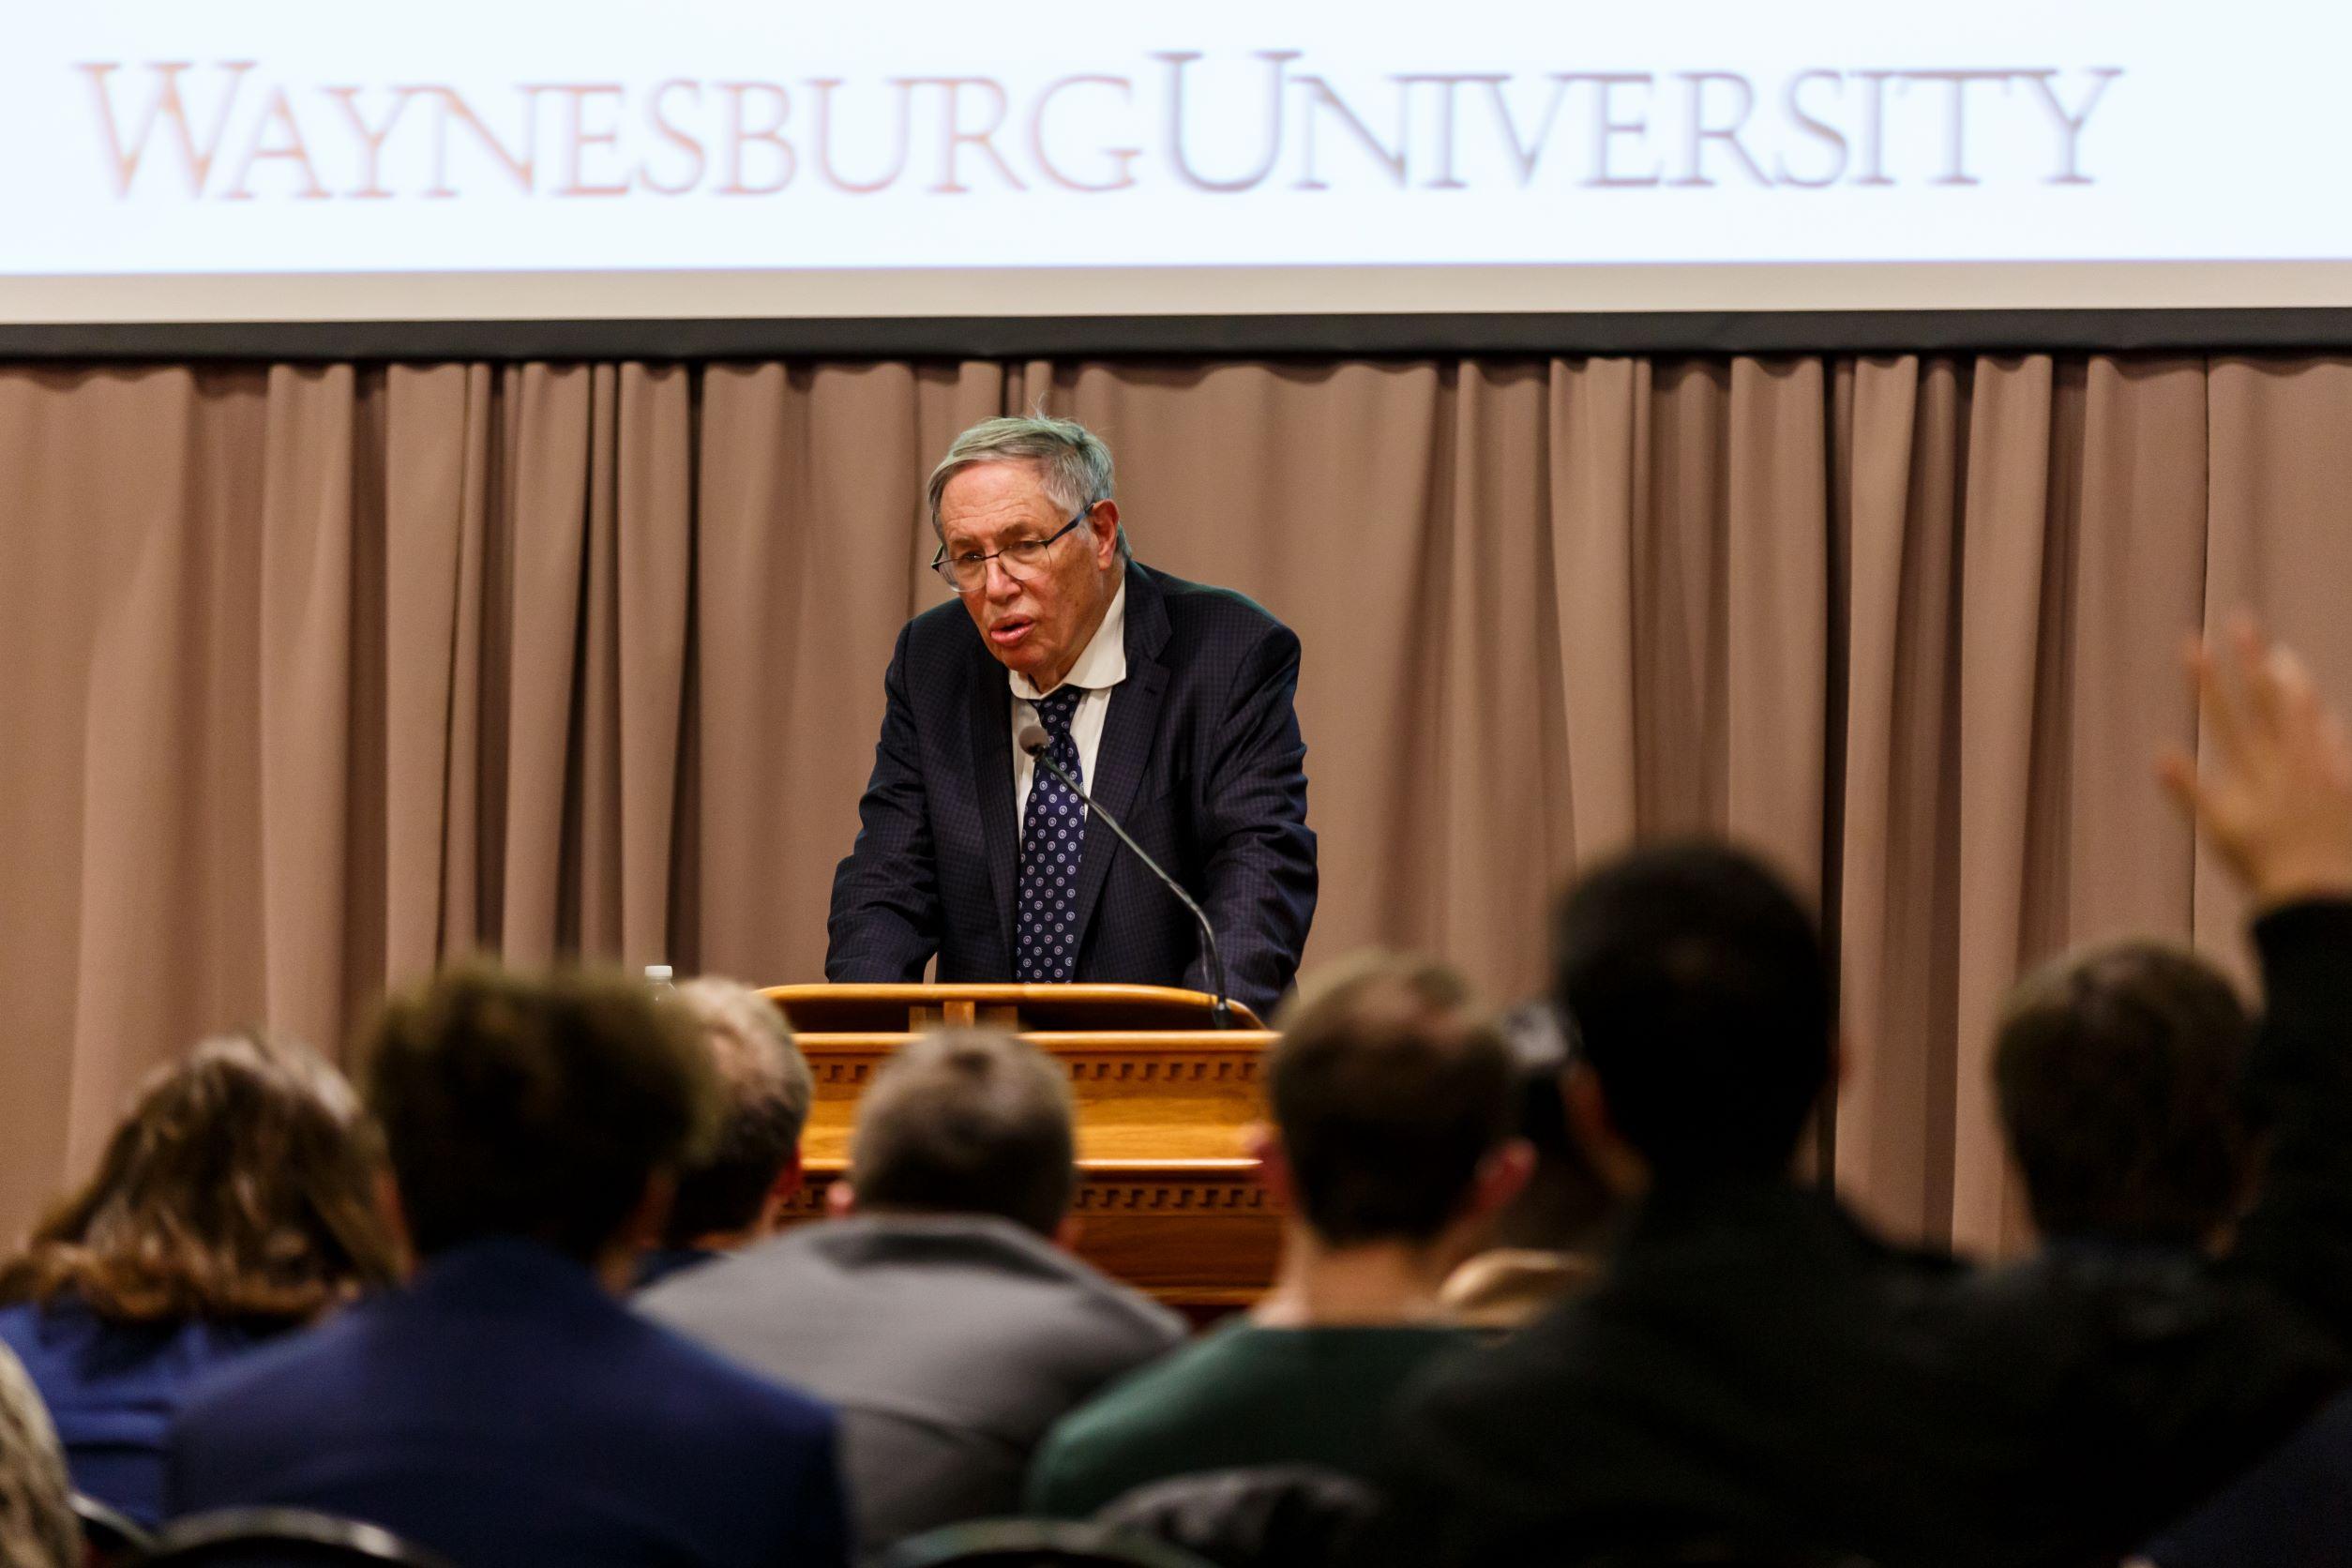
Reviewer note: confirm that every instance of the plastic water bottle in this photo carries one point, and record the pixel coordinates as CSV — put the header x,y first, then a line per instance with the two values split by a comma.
x,y
658,982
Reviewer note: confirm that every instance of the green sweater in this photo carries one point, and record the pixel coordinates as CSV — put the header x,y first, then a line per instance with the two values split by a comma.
x,y
1240,1395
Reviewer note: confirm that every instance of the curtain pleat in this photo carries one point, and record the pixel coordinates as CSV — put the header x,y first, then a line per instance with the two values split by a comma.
x,y
1596,485
323,676
303,602
2276,541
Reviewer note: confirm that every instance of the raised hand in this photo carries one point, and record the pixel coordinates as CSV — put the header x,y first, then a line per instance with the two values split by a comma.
x,y
2275,798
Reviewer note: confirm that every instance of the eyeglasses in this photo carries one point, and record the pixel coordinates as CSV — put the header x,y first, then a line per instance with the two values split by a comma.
x,y
1019,560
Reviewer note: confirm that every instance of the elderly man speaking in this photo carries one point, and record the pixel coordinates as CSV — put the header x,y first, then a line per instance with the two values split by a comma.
x,y
1169,702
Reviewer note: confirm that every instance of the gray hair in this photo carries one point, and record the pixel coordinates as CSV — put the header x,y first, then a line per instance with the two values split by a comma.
x,y
768,1089
1073,464
752,1044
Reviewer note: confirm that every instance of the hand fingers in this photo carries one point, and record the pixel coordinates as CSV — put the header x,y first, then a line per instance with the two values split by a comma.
x,y
2179,775
2257,677
2215,708
2334,742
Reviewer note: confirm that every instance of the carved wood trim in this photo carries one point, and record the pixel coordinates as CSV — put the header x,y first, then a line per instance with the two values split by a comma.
x,y
842,1070
1101,1192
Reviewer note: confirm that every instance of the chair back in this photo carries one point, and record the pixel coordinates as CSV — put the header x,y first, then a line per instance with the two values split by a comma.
x,y
1265,1516
1035,1543
109,1536
283,1538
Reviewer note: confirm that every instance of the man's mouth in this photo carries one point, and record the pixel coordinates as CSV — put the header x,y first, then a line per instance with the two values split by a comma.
x,y
1010,630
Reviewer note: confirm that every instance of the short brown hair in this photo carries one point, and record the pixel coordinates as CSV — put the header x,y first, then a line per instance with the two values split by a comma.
x,y
2118,1075
971,1122
532,1106
1388,1094
241,1187
766,1087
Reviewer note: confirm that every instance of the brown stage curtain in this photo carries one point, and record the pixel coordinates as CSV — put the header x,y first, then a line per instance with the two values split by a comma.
x,y
320,676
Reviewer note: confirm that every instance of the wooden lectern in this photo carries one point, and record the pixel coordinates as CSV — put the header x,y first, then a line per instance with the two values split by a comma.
x,y
1169,1201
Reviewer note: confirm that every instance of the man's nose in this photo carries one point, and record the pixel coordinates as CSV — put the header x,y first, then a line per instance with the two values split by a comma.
x,y
1002,584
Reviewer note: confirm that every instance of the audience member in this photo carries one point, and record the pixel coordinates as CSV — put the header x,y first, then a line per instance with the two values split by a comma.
x,y
1754,1366
1547,1240
2117,1073
736,1194
236,1201
1391,1151
503,1408
938,1314
37,1523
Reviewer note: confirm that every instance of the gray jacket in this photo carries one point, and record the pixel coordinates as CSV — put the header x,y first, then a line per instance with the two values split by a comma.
x,y
949,1343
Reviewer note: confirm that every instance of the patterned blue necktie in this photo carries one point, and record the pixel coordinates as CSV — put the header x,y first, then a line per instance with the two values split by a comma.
x,y
1044,939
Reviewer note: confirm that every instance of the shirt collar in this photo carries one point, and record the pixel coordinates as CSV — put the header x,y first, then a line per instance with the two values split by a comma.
x,y
1104,660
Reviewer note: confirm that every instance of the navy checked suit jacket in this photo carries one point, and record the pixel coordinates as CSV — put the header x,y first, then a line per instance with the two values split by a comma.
x,y
1200,759
505,1412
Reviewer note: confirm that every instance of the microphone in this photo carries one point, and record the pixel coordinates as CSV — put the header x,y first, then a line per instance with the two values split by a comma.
x,y
1034,740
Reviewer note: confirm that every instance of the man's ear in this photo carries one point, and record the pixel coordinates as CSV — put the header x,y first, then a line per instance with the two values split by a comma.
x,y
639,1232
1103,524
1066,1234
651,1213
387,1197
779,1197
1619,1164
1501,1177
841,1199
1261,1143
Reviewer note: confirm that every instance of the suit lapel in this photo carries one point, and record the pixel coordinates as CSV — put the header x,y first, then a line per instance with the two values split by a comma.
x,y
1130,729
992,775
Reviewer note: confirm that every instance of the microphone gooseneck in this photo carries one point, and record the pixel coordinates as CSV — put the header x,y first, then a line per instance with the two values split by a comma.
x,y
1034,740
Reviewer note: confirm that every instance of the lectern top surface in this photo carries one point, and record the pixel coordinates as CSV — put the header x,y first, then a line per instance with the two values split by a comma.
x,y
823,1009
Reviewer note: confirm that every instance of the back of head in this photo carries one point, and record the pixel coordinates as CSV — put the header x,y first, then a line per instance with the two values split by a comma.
x,y
240,1186
967,1122
1701,1000
536,1108
765,1087
1388,1096
2118,1074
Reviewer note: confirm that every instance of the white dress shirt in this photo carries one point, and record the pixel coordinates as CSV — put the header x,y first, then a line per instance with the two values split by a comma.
x,y
1102,665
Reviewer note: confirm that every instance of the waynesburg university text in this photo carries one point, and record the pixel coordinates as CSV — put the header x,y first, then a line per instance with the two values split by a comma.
x,y
232,130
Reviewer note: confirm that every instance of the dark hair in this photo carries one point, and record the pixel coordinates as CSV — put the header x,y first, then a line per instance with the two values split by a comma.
x,y
967,1122
241,1187
1701,1000
2118,1076
766,1087
1565,1206
535,1107
1388,1096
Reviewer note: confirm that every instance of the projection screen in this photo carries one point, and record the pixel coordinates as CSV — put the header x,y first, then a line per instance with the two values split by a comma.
x,y
242,160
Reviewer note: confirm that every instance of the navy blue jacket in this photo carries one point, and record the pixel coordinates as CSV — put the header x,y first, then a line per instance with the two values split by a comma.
x,y
506,1412
110,1388
1200,759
